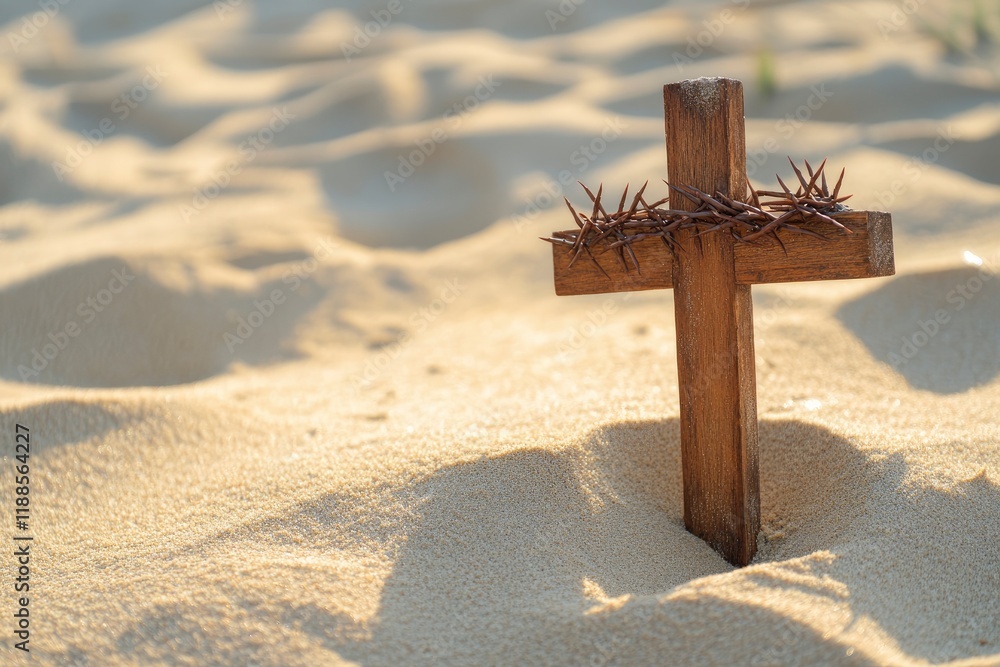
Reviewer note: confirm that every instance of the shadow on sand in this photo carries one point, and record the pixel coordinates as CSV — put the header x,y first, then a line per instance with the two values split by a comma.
x,y
940,330
580,556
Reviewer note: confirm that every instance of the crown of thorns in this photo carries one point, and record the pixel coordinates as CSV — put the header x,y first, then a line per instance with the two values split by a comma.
x,y
764,213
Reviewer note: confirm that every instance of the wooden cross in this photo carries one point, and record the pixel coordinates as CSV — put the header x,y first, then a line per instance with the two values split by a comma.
x,y
711,278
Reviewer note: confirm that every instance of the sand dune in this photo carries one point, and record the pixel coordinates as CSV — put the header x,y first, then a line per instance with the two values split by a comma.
x,y
300,392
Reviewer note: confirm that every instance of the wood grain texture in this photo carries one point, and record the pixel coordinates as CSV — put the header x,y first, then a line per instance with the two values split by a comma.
x,y
867,253
713,308
714,320
656,264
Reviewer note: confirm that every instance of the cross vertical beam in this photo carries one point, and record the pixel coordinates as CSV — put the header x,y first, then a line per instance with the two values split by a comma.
x,y
714,320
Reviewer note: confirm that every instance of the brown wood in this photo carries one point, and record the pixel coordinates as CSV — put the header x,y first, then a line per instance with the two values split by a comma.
x,y
655,262
867,253
714,320
713,308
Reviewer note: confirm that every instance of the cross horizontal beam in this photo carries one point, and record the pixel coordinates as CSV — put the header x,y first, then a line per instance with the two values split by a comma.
x,y
867,253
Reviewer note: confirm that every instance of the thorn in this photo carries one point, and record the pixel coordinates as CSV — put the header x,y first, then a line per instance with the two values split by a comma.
x,y
686,194
753,194
621,204
638,196
815,176
598,264
576,216
783,186
777,238
798,174
635,260
836,189
593,198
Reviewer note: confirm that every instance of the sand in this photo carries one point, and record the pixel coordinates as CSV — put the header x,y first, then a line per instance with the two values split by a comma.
x,y
293,404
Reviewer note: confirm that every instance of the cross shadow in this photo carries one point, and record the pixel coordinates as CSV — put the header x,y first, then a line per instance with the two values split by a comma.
x,y
940,330
576,554
580,556
552,535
